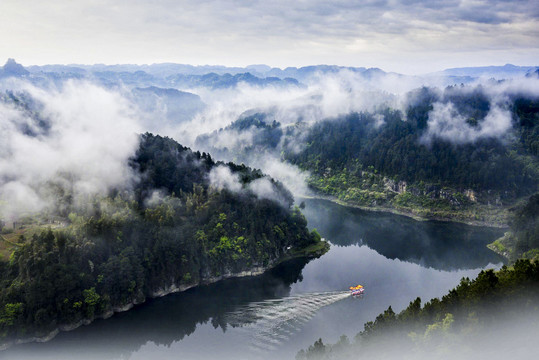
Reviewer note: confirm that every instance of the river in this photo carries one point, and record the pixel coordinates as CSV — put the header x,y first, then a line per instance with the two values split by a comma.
x,y
275,315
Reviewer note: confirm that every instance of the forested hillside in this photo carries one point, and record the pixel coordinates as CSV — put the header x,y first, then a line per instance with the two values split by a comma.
x,y
522,239
470,318
248,139
394,144
462,153
441,157
173,230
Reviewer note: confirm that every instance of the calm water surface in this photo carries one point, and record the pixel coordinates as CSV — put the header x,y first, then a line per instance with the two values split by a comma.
x,y
275,315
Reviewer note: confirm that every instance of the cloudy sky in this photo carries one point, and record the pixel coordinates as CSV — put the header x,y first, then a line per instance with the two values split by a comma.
x,y
408,36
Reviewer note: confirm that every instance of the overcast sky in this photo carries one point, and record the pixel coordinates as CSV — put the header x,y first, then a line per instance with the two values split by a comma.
x,y
408,36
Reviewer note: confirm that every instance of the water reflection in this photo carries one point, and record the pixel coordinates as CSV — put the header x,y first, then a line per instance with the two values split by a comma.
x,y
165,320
276,314
440,245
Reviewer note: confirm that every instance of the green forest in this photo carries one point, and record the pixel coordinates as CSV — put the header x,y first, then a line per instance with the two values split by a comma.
x,y
507,168
522,239
387,158
127,246
390,165
443,327
395,149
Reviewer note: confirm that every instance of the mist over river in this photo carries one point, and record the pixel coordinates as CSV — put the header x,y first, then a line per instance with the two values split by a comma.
x,y
275,315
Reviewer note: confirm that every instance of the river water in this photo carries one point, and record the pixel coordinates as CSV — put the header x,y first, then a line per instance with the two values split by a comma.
x,y
275,315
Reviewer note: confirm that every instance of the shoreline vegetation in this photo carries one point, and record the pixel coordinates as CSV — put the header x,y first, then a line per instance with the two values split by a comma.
x,y
369,190
310,252
522,238
390,160
457,324
425,215
520,241
172,230
463,318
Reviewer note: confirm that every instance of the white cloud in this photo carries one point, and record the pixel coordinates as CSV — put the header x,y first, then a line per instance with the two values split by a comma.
x,y
263,188
402,35
379,120
221,177
445,122
324,97
156,198
290,175
84,149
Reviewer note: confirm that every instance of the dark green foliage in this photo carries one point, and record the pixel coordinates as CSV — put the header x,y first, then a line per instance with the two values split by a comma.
x,y
526,112
525,226
490,293
122,249
165,164
448,322
522,240
396,149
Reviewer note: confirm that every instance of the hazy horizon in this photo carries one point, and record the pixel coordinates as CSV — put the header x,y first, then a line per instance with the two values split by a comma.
x,y
486,65
408,37
253,161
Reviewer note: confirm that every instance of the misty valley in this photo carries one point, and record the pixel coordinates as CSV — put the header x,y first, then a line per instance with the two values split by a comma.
x,y
295,302
177,211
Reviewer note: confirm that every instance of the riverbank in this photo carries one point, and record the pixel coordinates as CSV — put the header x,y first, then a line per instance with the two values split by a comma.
x,y
507,245
310,252
503,299
375,192
504,246
424,215
204,319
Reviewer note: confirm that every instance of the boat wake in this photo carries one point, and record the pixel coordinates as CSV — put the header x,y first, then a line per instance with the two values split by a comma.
x,y
273,322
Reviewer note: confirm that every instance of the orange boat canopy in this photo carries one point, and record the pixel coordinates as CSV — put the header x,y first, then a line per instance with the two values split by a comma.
x,y
355,287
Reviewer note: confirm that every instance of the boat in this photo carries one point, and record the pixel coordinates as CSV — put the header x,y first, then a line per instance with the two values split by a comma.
x,y
356,290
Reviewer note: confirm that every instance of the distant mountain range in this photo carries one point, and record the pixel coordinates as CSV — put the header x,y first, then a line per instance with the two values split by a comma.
x,y
167,75
506,71
12,68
